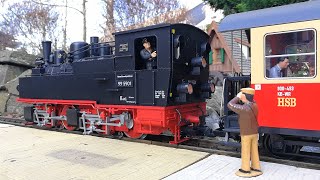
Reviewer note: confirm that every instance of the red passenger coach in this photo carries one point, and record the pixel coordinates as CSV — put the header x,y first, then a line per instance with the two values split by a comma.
x,y
288,106
284,73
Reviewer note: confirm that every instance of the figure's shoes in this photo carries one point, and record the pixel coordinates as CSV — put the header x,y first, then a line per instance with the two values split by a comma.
x,y
243,173
256,172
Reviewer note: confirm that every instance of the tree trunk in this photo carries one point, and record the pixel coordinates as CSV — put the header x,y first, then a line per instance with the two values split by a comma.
x,y
111,24
64,46
84,20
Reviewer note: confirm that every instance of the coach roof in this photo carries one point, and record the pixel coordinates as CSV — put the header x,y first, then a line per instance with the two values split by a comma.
x,y
298,12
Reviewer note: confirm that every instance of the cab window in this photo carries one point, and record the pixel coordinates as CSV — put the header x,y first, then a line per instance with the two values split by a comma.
x,y
290,54
178,44
146,54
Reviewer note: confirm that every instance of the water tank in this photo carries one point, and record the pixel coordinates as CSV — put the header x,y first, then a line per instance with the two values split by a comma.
x,y
79,50
105,49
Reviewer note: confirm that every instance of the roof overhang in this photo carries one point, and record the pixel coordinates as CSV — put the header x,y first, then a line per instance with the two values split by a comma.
x,y
298,12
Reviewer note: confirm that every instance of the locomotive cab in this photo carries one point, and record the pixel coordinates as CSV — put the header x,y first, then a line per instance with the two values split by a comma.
x,y
180,71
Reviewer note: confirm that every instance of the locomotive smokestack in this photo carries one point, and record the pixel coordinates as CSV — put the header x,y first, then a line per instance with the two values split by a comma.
x,y
46,50
94,46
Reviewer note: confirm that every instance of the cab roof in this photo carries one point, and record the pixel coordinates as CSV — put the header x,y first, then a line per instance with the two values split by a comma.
x,y
157,26
298,12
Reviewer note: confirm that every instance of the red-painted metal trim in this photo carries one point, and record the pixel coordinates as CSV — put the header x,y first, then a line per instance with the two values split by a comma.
x,y
55,101
94,103
149,119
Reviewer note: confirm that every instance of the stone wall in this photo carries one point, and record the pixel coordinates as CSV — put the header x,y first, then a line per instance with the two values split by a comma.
x,y
13,64
9,72
18,58
9,94
214,104
4,96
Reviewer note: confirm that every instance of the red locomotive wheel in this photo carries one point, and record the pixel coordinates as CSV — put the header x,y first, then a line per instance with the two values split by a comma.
x,y
132,134
70,128
64,122
48,125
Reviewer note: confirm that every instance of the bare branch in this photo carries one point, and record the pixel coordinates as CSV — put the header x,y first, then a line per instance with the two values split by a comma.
x,y
57,5
32,21
132,14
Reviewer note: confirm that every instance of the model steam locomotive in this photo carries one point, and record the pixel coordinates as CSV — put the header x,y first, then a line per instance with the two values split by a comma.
x,y
107,88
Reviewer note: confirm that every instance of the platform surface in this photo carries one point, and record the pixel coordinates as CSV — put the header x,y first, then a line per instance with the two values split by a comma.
x,y
224,167
32,154
27,153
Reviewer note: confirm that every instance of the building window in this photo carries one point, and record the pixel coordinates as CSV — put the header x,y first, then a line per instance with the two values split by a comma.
x,y
290,54
245,50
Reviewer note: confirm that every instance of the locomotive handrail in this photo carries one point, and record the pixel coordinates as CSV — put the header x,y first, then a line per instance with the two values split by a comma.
x,y
44,74
237,78
95,58
222,98
123,56
135,88
113,90
180,117
90,45
101,79
87,48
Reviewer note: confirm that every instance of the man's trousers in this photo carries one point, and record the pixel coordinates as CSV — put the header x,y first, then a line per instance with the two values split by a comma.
x,y
249,151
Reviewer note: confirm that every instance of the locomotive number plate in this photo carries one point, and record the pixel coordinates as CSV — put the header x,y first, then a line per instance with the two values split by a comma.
x,y
125,83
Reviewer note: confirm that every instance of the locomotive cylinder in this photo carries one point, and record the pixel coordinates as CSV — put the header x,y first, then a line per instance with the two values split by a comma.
x,y
198,62
208,87
185,88
46,51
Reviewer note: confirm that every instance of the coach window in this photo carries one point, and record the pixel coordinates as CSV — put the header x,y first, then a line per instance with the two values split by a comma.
x,y
146,54
290,54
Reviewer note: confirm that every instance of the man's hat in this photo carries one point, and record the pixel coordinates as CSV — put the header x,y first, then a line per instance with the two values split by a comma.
x,y
248,91
145,40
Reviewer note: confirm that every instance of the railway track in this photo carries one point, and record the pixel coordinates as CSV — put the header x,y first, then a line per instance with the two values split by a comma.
x,y
209,145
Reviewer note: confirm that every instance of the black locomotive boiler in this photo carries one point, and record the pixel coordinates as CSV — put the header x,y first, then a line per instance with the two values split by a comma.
x,y
108,87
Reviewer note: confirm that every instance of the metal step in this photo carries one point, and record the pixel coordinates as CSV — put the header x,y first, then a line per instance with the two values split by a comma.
x,y
231,144
233,130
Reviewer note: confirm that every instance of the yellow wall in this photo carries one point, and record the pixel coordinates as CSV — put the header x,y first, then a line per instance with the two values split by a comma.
x,y
257,52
